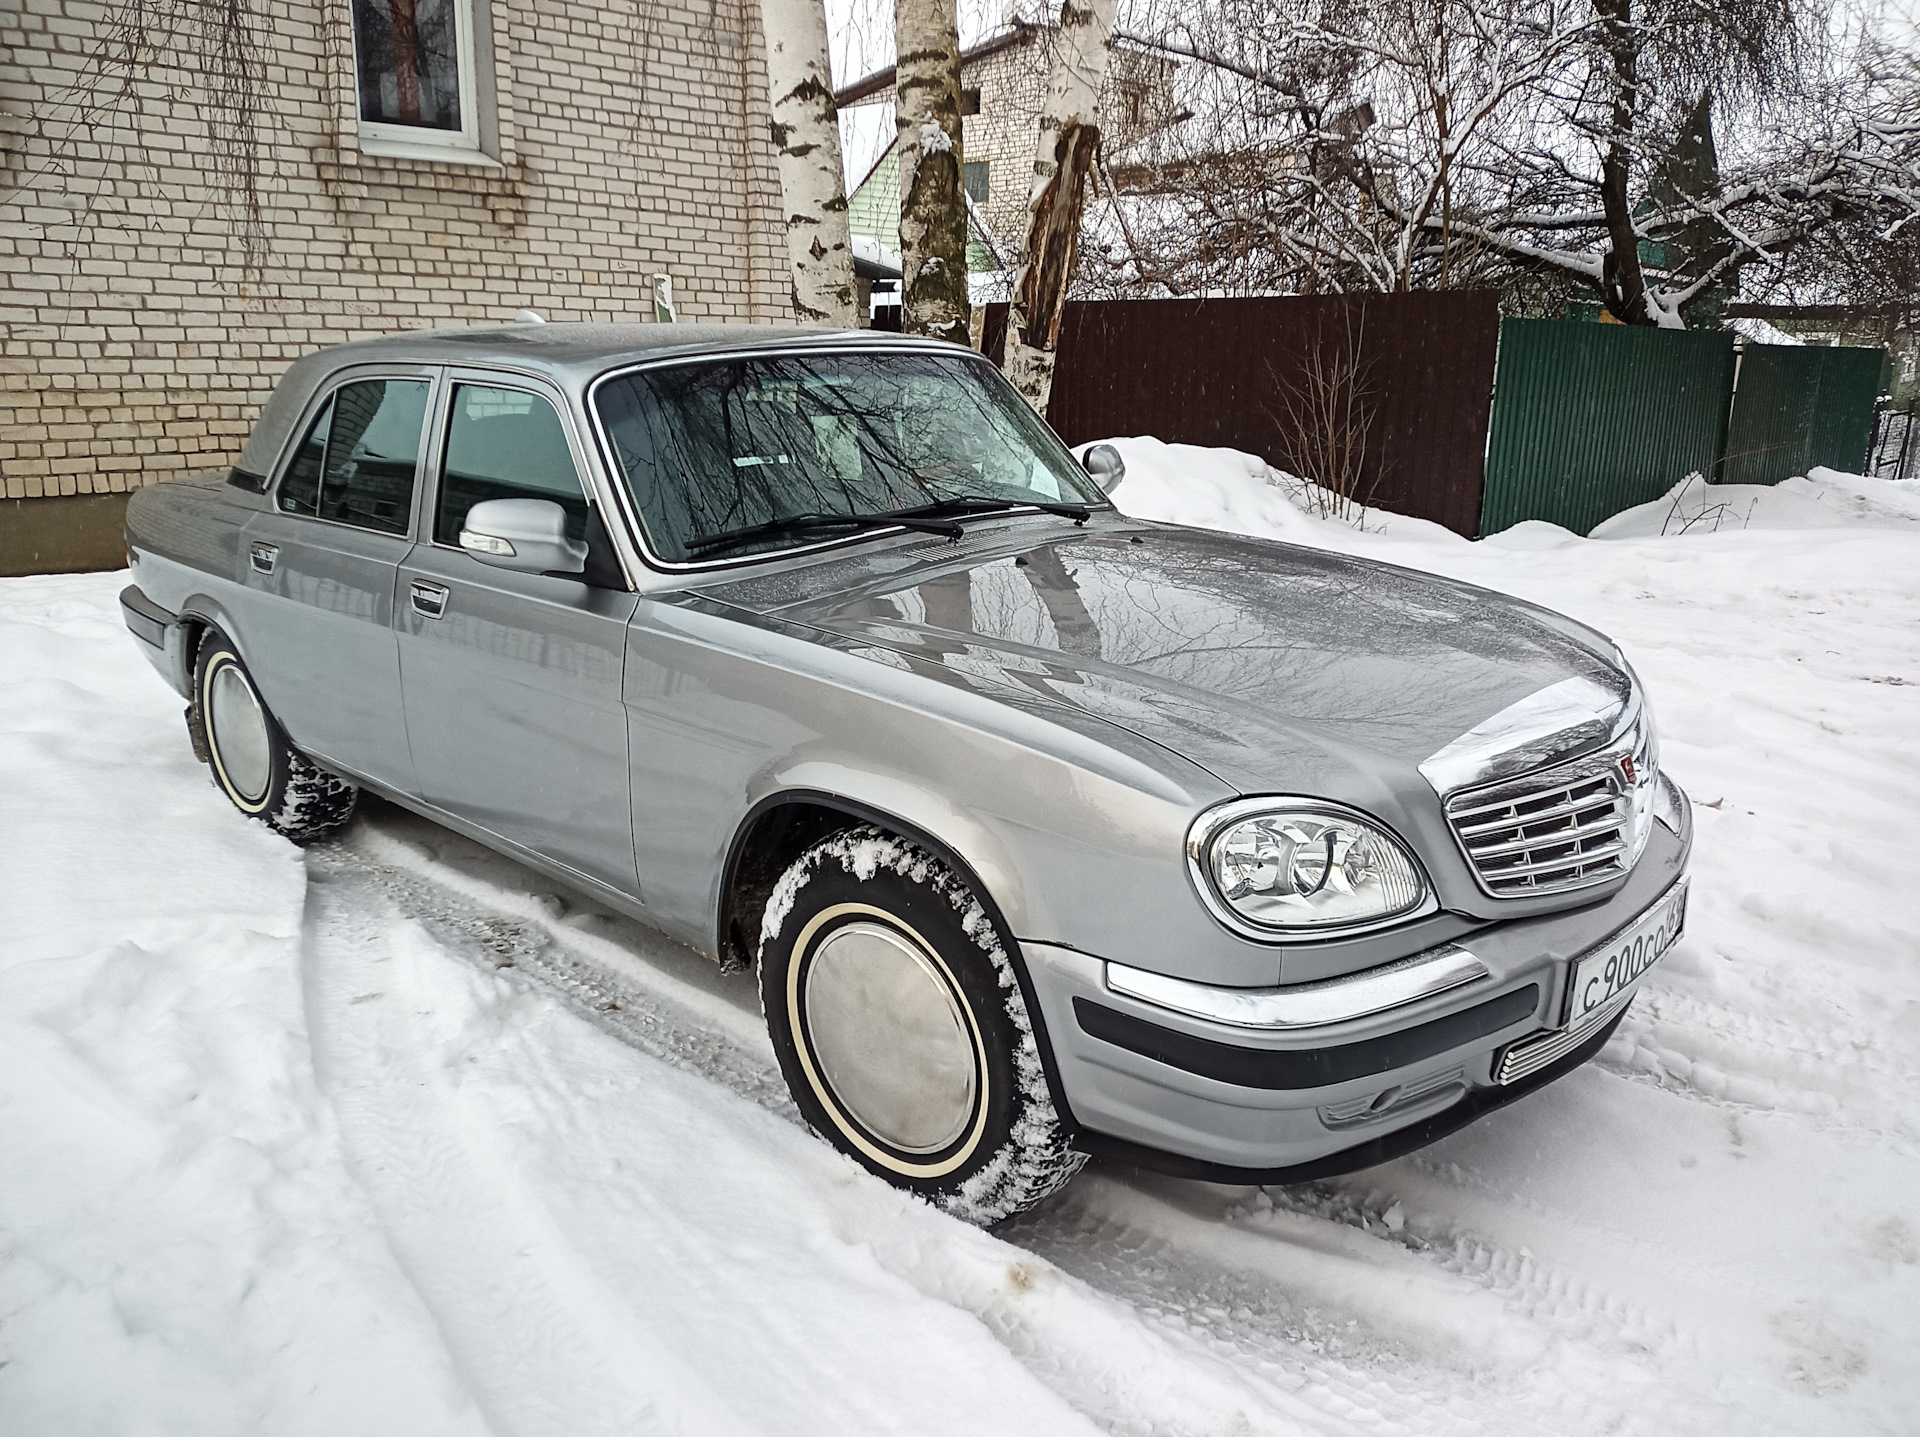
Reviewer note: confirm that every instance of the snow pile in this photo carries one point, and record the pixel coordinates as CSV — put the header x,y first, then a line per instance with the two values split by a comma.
x,y
1822,499
1242,493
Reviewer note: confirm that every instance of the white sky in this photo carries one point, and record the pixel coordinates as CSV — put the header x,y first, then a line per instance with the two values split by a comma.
x,y
862,39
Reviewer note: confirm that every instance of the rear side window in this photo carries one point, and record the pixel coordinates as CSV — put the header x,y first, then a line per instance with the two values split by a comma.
x,y
505,444
358,461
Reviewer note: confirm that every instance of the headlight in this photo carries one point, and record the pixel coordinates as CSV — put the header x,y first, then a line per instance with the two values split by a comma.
x,y
1279,866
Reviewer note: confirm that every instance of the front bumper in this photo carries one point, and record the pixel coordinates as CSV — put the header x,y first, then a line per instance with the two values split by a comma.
x,y
1202,1098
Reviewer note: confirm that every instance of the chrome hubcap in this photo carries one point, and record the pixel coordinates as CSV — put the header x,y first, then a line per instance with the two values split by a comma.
x,y
239,732
887,1031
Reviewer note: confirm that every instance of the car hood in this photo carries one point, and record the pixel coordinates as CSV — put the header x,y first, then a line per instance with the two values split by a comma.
x,y
1278,668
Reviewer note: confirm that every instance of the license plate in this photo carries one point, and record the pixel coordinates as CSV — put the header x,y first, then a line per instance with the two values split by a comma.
x,y
1620,962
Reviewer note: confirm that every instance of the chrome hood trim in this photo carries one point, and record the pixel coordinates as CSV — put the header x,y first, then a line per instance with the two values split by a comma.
x,y
1559,720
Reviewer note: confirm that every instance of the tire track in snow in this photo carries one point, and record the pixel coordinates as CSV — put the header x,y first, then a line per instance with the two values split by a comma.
x,y
452,1217
1716,1054
1489,1338
1566,1302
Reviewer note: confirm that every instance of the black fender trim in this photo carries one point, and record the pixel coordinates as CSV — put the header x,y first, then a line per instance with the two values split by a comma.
x,y
880,818
1286,1069
144,618
1477,1104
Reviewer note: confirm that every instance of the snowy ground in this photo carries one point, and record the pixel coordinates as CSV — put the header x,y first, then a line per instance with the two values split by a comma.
x,y
390,1138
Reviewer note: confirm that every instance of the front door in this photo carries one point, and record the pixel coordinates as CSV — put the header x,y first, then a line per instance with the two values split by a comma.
x,y
323,560
512,681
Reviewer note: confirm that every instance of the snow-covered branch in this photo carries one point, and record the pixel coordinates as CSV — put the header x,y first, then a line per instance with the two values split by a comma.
x,y
1651,153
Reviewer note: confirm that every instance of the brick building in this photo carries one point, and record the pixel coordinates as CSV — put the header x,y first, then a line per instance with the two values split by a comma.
x,y
194,194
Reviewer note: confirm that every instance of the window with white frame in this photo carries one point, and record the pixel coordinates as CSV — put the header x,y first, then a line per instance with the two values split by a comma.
x,y
414,69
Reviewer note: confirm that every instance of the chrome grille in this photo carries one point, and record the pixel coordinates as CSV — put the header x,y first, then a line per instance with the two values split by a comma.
x,y
1548,832
1530,1055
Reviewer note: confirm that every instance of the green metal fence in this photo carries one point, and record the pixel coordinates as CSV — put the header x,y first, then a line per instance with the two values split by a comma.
x,y
1590,419
1795,407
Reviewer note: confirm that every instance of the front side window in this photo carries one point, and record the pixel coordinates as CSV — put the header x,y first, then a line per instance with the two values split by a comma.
x,y
358,460
715,447
414,67
505,444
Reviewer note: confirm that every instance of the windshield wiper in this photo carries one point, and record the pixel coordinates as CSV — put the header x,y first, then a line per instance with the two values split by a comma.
x,y
800,523
983,503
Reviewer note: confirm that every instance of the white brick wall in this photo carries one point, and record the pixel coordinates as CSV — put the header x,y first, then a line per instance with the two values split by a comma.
x,y
136,344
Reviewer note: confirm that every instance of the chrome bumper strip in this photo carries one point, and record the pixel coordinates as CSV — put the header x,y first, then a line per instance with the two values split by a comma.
x,y
1306,1005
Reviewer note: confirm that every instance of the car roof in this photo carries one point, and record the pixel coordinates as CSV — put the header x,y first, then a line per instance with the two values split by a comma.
x,y
568,354
588,347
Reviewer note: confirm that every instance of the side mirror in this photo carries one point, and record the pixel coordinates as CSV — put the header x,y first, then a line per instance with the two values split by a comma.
x,y
528,536
1106,466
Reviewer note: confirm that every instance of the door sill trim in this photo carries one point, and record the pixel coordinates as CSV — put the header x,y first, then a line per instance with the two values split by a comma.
x,y
631,904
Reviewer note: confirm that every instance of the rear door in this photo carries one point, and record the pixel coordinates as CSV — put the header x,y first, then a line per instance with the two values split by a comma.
x,y
512,681
324,561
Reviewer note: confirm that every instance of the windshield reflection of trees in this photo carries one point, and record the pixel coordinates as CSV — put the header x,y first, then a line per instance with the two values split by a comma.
x,y
719,446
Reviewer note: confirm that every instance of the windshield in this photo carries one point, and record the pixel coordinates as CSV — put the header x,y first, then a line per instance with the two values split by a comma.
x,y
715,447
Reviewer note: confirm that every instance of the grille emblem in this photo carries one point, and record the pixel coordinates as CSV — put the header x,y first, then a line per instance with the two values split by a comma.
x,y
1626,766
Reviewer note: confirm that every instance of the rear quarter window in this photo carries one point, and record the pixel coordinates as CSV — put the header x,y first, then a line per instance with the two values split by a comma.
x,y
359,459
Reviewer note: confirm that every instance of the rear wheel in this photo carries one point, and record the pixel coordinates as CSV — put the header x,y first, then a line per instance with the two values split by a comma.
x,y
899,1021
264,775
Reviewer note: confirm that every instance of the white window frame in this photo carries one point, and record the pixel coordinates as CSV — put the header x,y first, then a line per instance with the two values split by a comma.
x,y
418,141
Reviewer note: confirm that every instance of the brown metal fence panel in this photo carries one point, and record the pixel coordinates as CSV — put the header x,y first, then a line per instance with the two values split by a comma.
x,y
1416,372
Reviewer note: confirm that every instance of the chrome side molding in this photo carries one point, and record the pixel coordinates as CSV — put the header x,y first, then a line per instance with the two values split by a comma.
x,y
1306,1005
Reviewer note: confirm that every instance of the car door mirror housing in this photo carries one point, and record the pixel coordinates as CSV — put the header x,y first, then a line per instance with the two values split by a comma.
x,y
525,535
1106,466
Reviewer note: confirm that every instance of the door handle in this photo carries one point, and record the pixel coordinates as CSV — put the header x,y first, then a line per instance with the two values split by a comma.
x,y
428,599
262,557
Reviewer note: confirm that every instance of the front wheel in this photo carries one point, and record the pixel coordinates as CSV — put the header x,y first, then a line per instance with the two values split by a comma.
x,y
900,1026
252,761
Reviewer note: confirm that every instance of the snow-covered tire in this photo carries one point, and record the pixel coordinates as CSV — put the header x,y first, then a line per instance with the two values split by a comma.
x,y
252,762
900,1026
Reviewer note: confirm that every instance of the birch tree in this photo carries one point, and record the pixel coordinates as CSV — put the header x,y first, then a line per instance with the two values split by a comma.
x,y
806,134
933,212
1068,143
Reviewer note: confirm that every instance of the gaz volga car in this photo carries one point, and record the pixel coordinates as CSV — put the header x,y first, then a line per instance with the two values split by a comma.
x,y
1048,831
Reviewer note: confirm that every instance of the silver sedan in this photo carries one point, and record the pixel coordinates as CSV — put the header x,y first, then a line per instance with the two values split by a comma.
x,y
1048,832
